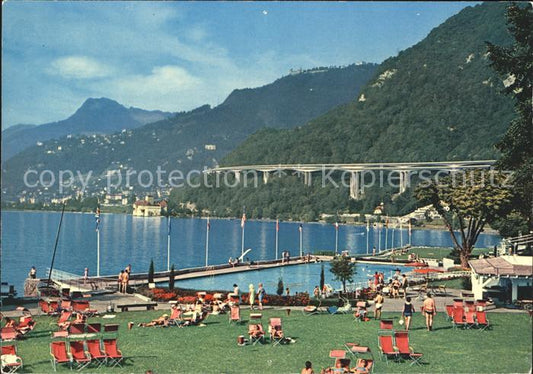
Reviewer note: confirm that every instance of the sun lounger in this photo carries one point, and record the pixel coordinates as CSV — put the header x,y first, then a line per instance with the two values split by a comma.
x,y
276,331
114,355
58,351
458,317
80,357
481,320
386,348
235,314
11,362
256,333
95,350
401,338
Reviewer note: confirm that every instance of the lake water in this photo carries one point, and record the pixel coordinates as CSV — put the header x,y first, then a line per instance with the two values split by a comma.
x,y
28,240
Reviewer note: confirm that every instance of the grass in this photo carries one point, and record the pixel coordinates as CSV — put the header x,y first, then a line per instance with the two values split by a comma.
x,y
213,348
438,253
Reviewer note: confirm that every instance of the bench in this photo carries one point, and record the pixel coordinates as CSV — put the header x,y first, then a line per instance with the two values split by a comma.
x,y
148,306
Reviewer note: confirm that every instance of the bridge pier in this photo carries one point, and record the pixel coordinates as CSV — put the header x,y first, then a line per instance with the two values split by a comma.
x,y
405,181
307,178
355,189
237,175
266,175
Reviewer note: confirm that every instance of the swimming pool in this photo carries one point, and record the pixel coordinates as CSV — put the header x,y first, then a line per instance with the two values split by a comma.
x,y
299,278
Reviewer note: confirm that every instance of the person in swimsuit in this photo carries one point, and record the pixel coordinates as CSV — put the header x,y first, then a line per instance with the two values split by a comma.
x,y
430,310
407,313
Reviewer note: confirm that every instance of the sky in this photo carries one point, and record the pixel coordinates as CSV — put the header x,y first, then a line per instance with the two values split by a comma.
x,y
176,56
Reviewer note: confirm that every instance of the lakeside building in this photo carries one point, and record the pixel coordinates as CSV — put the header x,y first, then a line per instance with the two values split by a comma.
x,y
149,208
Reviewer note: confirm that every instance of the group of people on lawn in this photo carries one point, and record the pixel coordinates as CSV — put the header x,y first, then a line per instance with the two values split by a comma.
x,y
428,309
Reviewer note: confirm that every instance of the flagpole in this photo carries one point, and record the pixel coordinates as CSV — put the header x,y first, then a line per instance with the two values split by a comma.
x,y
367,235
379,237
207,241
243,222
277,237
386,232
168,242
301,239
336,236
392,241
409,232
97,242
401,234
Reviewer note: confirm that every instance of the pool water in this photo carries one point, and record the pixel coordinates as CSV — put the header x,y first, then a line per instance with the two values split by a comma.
x,y
299,278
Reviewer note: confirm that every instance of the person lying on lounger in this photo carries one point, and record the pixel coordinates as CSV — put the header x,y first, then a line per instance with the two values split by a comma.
x,y
161,321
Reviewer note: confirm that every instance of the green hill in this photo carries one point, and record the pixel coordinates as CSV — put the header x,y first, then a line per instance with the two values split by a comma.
x,y
438,100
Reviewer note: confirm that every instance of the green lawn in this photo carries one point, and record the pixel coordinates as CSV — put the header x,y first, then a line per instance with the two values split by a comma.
x,y
213,348
439,253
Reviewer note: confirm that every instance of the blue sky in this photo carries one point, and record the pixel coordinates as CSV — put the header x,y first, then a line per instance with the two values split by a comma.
x,y
176,56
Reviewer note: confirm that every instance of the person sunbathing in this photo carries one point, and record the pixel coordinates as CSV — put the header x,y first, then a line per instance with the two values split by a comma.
x,y
161,321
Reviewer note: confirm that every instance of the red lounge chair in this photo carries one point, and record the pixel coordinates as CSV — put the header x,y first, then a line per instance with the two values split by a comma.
x,y
95,351
11,362
276,332
114,355
256,333
386,324
175,318
470,306
79,355
111,329
469,319
458,317
458,303
9,333
46,308
76,329
449,312
94,328
401,339
59,353
482,321
66,305
26,324
63,321
386,348
235,314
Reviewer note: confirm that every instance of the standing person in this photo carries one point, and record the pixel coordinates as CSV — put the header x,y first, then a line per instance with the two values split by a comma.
x,y
316,292
33,273
430,310
395,288
404,285
376,280
407,313
378,305
251,296
125,281
260,294
308,369
128,269
287,291
374,251
85,275
236,289
119,280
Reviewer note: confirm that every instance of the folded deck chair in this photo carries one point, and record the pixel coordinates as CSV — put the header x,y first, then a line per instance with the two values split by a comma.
x,y
114,355
83,306
66,304
80,357
386,348
76,328
401,338
276,331
95,350
458,317
11,362
235,314
94,328
481,320
256,333
58,351
449,312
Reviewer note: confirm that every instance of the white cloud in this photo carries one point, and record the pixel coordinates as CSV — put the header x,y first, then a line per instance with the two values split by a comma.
x,y
79,67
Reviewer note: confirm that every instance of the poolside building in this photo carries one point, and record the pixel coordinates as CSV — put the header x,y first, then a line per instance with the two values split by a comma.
x,y
507,278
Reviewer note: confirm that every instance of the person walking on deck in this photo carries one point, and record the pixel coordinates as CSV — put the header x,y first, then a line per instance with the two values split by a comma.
x,y
251,296
260,294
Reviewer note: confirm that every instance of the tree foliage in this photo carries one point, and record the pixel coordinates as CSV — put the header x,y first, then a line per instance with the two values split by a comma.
x,y
322,277
472,200
343,269
280,288
151,272
515,64
171,278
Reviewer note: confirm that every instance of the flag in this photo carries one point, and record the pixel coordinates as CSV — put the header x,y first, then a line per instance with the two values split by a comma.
x,y
243,219
97,218
277,225
336,225
208,224
300,228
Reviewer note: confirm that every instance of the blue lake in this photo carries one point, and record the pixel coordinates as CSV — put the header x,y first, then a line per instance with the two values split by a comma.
x,y
28,240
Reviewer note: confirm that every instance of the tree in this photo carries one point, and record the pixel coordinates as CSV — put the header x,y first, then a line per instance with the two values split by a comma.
x,y
322,277
343,269
279,291
472,199
515,64
171,278
151,272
